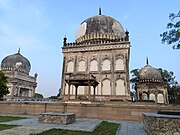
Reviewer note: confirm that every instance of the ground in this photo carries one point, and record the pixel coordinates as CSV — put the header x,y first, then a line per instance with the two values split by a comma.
x,y
32,125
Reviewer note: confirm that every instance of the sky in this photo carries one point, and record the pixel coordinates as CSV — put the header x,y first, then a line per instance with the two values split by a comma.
x,y
39,26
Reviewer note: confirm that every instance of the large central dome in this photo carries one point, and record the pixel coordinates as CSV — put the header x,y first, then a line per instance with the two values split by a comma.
x,y
100,24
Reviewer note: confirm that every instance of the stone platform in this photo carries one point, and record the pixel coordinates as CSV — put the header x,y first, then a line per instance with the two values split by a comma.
x,y
161,124
57,118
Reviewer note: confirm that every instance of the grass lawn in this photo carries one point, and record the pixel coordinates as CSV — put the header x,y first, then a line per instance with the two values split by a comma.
x,y
104,128
9,118
4,126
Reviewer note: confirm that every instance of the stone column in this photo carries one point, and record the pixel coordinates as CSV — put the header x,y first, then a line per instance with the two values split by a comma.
x,y
30,93
94,92
69,91
18,91
76,91
89,91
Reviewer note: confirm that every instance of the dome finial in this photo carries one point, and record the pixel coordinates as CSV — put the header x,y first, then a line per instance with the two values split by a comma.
x,y
147,62
19,50
99,10
65,41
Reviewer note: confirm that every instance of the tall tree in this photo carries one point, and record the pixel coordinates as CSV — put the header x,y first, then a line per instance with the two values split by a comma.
x,y
172,35
134,77
38,95
3,87
173,87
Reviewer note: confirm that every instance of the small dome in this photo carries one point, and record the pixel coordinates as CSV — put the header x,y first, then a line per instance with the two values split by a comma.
x,y
100,24
149,73
16,62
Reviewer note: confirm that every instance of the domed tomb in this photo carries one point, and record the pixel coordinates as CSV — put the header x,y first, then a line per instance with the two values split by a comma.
x,y
102,26
16,62
101,49
20,84
150,85
149,73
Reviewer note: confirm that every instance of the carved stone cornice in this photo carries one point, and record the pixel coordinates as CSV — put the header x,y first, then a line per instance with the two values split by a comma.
x,y
95,47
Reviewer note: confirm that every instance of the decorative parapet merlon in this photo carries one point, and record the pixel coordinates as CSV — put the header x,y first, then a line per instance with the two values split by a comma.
x,y
96,38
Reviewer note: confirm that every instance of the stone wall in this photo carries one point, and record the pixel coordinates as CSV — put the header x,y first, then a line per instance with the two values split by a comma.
x,y
158,124
109,110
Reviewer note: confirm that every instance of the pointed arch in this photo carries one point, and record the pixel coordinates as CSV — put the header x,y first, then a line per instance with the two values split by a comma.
x,y
144,96
119,64
152,97
106,87
106,64
70,66
82,66
160,98
120,88
93,65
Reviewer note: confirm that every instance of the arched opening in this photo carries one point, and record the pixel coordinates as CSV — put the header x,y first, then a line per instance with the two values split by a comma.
x,y
144,96
82,66
152,97
106,87
119,64
94,65
120,88
160,98
106,64
72,89
70,66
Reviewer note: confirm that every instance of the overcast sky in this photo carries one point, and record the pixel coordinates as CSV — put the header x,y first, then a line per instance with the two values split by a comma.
x,y
38,27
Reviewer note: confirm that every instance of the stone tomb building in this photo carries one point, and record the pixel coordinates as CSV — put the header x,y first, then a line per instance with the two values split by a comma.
x,y
16,68
150,85
101,51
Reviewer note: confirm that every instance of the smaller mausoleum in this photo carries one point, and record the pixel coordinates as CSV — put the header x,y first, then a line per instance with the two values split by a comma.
x,y
150,85
16,68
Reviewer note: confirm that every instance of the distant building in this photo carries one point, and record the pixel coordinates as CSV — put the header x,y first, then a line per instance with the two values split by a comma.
x,y
16,67
96,65
150,85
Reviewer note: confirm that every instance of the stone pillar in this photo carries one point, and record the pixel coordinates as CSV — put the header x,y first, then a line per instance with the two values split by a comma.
x,y
18,91
89,90
69,86
30,93
76,91
94,92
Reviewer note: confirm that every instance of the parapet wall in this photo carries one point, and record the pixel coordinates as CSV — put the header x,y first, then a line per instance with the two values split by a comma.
x,y
112,111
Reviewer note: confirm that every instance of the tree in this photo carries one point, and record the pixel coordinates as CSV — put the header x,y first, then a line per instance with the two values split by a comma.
x,y
172,85
53,97
172,36
38,95
134,78
3,85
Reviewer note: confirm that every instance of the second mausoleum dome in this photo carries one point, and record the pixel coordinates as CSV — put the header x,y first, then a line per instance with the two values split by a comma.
x,y
16,62
149,73
100,25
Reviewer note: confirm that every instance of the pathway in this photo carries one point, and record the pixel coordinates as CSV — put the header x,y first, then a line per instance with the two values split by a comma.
x,y
32,125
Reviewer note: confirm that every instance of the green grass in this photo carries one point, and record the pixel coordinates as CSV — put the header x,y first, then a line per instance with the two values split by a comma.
x,y
10,118
4,126
104,128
